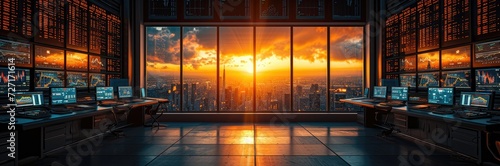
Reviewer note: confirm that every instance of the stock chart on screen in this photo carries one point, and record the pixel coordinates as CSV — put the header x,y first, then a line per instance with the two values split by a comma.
x,y
458,79
488,79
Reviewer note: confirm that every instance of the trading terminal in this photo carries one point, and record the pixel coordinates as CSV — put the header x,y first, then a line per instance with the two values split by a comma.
x,y
242,82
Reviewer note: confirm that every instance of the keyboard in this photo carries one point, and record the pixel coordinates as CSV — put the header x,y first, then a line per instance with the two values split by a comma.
x,y
394,104
108,104
34,114
61,110
472,114
87,107
443,111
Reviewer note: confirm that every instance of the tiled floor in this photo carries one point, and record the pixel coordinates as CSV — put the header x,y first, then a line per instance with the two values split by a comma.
x,y
239,144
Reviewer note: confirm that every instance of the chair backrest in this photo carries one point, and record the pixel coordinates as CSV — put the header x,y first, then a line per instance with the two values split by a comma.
x,y
384,108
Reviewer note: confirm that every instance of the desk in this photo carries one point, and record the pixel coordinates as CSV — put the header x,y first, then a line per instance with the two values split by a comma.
x,y
37,137
460,135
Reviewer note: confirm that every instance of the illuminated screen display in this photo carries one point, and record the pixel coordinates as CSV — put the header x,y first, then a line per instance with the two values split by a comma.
x,y
380,92
409,80
428,61
488,79
46,79
76,79
49,58
428,79
104,93
399,93
60,96
20,51
143,92
95,64
408,64
97,80
19,77
23,99
487,54
77,61
441,96
475,99
456,58
457,79
125,92
367,93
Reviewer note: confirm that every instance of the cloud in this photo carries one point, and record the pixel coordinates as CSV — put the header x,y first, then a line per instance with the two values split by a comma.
x,y
346,44
163,44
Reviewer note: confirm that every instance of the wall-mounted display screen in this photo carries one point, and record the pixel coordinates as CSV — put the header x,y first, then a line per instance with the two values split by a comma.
x,y
20,78
97,79
456,58
458,79
95,64
428,61
408,64
487,54
77,79
21,52
46,79
76,61
488,79
428,80
49,58
409,80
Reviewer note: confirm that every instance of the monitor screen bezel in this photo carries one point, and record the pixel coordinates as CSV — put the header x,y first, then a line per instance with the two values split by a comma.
x,y
489,105
51,102
392,91
375,87
97,99
453,95
127,97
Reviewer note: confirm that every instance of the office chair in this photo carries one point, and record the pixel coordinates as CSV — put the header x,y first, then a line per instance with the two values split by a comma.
x,y
384,110
152,112
117,109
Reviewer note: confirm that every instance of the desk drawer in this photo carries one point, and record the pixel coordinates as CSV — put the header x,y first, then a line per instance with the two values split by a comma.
x,y
54,143
465,141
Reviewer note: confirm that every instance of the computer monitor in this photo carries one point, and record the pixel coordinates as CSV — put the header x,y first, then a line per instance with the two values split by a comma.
x,y
116,82
104,93
399,93
476,99
367,93
19,77
380,92
390,83
24,99
60,96
143,92
440,96
125,92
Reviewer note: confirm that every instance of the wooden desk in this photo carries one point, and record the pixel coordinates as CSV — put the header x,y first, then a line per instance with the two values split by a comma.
x,y
37,137
466,136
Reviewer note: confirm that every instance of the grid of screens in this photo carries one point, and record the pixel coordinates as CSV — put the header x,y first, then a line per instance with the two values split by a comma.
x,y
380,92
59,96
488,79
487,54
125,92
456,58
20,78
24,99
408,64
409,80
77,79
399,93
49,58
475,99
428,61
441,96
104,93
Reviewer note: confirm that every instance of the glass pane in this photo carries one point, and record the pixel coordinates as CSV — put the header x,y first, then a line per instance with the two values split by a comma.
x,y
346,65
199,58
163,64
273,68
161,9
310,9
274,9
234,9
309,68
236,68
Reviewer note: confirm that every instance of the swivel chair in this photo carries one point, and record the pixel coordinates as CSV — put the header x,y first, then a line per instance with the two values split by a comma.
x,y
153,113
384,110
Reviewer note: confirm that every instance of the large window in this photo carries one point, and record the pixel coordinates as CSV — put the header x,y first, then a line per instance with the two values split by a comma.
x,y
346,65
309,68
273,68
236,68
163,64
254,68
199,67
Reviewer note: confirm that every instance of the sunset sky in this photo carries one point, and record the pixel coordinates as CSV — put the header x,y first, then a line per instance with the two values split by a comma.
x,y
272,50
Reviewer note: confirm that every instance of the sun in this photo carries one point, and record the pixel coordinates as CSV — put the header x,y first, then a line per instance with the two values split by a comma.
x,y
249,69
